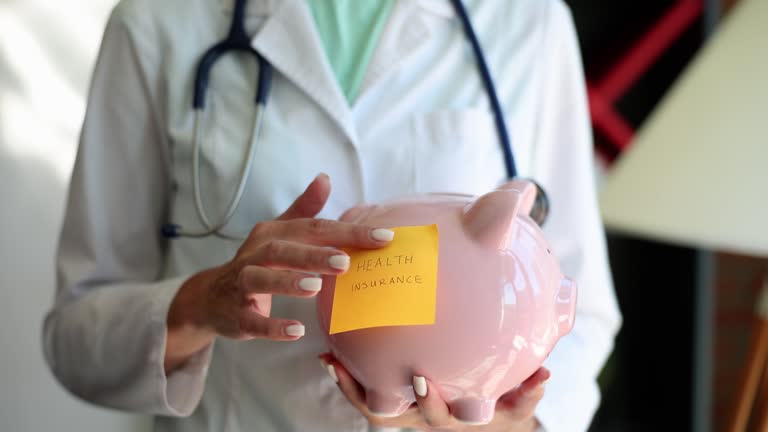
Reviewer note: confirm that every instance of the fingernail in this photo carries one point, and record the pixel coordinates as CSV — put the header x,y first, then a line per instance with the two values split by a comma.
x,y
332,372
311,284
382,234
339,262
294,330
420,386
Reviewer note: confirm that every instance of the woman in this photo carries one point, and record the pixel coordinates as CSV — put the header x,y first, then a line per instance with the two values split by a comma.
x,y
150,325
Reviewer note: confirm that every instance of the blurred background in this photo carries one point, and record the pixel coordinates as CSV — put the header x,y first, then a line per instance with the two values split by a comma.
x,y
679,101
47,50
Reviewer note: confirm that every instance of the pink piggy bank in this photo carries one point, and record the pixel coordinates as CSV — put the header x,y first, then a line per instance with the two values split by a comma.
x,y
502,304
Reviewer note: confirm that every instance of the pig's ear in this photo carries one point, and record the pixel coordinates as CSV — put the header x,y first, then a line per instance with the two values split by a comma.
x,y
527,191
490,218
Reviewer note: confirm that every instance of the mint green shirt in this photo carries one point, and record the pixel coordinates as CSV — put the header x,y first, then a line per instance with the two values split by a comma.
x,y
349,30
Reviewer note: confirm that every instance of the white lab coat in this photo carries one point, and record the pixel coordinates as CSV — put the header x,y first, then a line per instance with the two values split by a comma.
x,y
421,123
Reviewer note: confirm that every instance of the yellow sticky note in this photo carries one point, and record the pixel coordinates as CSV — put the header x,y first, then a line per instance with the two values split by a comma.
x,y
395,285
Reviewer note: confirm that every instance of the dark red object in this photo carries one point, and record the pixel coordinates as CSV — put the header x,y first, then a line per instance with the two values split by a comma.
x,y
625,72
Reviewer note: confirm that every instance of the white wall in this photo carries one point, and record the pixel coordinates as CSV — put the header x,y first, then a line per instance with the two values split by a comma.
x,y
47,49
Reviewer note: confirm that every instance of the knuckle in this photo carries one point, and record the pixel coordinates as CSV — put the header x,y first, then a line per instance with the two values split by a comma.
x,y
319,227
279,282
246,326
363,235
313,259
254,279
536,394
260,328
274,329
225,283
260,229
273,250
243,278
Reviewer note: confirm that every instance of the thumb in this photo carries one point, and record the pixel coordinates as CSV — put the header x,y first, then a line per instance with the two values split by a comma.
x,y
309,203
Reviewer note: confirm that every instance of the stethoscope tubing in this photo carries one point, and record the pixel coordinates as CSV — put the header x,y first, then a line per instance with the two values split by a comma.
x,y
238,40
490,88
262,97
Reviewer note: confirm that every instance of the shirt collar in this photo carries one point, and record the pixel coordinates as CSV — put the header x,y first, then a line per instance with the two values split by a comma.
x,y
440,8
254,7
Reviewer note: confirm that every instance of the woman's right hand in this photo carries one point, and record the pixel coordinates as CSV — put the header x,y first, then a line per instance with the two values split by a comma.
x,y
281,257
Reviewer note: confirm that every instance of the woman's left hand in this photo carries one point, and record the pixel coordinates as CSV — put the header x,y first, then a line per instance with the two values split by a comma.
x,y
514,410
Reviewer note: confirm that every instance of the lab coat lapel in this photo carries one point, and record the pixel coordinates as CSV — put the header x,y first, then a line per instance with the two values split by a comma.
x,y
407,30
289,40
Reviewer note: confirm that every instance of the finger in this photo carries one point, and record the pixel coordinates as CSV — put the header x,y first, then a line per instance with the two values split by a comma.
x,y
311,201
432,407
520,403
535,381
324,232
259,326
349,387
286,255
355,394
261,280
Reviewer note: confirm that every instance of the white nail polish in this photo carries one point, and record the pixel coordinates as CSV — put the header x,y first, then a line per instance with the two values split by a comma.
x,y
339,262
332,372
311,284
294,330
420,386
382,234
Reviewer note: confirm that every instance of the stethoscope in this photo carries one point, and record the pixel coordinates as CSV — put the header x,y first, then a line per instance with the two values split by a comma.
x,y
238,40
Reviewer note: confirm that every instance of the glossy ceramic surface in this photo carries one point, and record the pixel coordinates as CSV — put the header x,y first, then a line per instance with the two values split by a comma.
x,y
502,304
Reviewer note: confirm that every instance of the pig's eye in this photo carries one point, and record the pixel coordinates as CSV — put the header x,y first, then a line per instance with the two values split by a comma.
x,y
549,252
